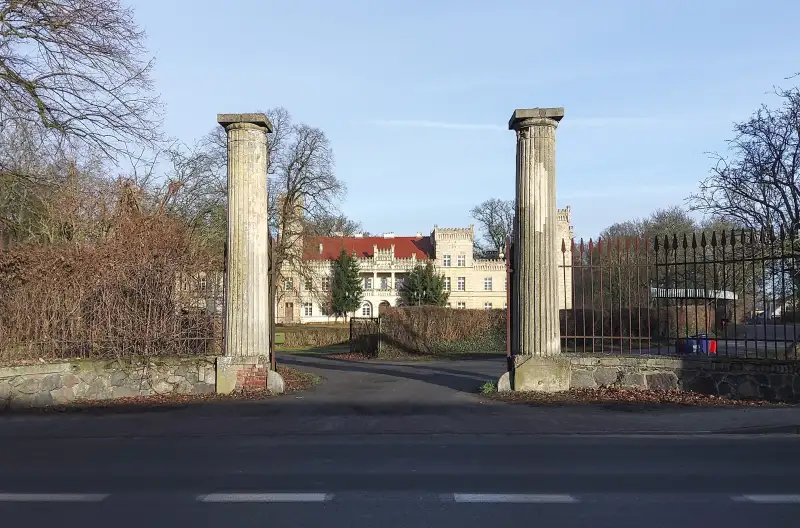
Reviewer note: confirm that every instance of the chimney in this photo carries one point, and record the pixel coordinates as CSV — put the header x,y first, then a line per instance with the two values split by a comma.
x,y
388,235
419,235
358,235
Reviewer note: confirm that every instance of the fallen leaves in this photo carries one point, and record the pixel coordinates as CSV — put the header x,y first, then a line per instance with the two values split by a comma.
x,y
351,356
625,396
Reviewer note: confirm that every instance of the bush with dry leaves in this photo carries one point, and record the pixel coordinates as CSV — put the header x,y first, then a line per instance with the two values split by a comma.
x,y
141,290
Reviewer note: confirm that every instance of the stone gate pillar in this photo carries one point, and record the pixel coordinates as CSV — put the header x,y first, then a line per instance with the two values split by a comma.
x,y
246,364
535,328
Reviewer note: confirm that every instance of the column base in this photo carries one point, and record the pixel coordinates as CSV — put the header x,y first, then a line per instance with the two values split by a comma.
x,y
537,374
236,373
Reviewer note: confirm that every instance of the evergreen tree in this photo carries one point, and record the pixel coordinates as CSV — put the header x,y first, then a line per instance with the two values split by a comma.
x,y
424,287
346,290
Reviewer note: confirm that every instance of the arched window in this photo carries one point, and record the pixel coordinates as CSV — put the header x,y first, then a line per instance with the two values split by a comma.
x,y
366,309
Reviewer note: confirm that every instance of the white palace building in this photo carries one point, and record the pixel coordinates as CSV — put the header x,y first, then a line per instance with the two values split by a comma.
x,y
385,261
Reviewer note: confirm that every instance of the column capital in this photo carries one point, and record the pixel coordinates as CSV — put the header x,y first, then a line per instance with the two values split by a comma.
x,y
528,117
253,120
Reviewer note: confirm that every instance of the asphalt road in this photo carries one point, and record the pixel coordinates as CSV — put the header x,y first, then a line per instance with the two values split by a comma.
x,y
384,458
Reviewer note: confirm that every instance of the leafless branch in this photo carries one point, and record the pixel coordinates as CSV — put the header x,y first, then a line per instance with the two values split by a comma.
x,y
495,220
758,183
75,70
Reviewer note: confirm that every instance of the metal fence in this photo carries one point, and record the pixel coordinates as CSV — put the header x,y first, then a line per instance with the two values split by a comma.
x,y
726,293
144,311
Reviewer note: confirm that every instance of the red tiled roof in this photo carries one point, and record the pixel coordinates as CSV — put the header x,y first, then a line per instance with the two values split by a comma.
x,y
404,247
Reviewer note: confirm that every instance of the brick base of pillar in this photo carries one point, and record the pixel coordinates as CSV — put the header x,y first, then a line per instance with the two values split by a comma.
x,y
247,374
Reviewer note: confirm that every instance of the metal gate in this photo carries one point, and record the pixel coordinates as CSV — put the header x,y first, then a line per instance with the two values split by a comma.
x,y
365,335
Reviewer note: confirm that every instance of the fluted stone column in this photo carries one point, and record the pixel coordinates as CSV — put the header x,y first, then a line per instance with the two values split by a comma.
x,y
247,307
534,317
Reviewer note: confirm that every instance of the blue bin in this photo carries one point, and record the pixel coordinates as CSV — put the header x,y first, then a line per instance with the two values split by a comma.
x,y
687,346
702,342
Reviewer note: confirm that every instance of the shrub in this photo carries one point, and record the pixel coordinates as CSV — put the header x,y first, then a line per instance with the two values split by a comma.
x,y
121,296
305,336
435,330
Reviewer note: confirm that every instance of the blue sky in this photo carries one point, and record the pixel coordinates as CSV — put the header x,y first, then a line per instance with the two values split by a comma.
x,y
416,95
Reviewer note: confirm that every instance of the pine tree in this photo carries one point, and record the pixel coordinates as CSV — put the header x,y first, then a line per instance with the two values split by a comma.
x,y
346,290
424,287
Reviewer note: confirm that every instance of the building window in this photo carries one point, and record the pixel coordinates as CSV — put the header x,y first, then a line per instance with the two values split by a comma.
x,y
487,306
447,284
308,309
461,284
398,283
368,283
287,284
203,284
461,305
446,261
326,283
384,283
366,310
309,285
505,306
487,284
505,283
462,260
449,305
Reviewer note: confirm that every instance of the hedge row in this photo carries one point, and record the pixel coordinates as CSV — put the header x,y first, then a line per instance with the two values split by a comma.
x,y
307,336
430,330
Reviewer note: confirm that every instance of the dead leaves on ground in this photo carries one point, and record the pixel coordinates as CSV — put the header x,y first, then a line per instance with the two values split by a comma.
x,y
626,396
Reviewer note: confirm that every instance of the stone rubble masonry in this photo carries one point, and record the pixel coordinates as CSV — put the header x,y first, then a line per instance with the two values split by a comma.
x,y
535,304
58,383
773,380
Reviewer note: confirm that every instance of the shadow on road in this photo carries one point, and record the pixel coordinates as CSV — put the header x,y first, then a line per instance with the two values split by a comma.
x,y
467,378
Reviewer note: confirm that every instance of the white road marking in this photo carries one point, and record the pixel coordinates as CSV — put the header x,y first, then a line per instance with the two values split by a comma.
x,y
768,499
52,497
265,497
513,498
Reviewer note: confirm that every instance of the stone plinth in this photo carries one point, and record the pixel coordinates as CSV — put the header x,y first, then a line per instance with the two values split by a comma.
x,y
535,327
247,306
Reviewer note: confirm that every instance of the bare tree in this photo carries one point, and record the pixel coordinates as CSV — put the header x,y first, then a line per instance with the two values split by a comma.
x,y
333,225
757,184
304,192
50,194
75,70
495,220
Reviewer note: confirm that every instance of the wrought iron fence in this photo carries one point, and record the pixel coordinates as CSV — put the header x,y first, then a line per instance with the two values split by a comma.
x,y
727,293
144,311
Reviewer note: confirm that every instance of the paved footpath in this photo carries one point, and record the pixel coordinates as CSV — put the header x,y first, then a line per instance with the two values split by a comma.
x,y
397,445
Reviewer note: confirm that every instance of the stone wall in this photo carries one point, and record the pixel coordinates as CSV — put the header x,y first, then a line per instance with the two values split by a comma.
x,y
55,383
733,377
774,380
